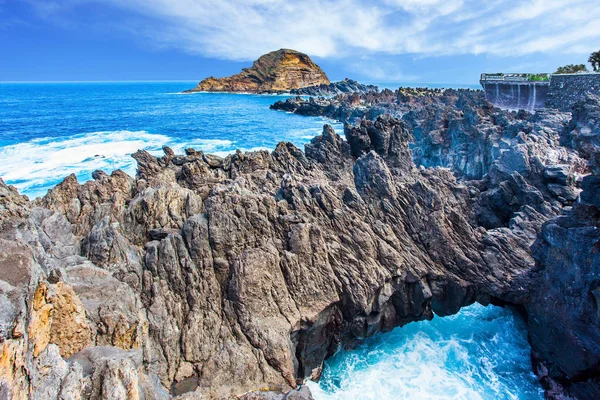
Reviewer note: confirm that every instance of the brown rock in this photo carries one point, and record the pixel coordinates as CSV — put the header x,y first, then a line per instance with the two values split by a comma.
x,y
58,317
69,330
13,381
277,71
41,320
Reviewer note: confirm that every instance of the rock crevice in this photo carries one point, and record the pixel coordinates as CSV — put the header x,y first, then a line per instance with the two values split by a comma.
x,y
213,277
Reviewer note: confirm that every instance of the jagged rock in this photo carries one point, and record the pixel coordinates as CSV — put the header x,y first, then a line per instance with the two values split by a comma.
x,y
12,205
335,88
277,71
564,300
559,174
260,265
303,393
247,256
372,176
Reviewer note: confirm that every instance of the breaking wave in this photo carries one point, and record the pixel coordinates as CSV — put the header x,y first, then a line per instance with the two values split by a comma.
x,y
37,165
479,353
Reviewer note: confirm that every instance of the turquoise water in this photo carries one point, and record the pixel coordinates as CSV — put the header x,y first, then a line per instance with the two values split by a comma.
x,y
479,353
50,130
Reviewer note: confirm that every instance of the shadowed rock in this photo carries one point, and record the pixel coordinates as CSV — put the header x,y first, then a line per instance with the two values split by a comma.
x,y
228,276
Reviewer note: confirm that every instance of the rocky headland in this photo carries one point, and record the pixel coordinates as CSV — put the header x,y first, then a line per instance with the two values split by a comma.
x,y
274,72
208,277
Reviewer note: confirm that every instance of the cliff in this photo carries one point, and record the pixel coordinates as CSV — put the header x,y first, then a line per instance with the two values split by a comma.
x,y
461,131
212,277
564,305
277,71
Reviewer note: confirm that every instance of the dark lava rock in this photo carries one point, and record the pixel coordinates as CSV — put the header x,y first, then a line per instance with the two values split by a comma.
x,y
564,301
335,88
262,264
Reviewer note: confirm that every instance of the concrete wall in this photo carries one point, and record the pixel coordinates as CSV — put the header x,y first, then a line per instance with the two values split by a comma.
x,y
516,95
560,92
566,89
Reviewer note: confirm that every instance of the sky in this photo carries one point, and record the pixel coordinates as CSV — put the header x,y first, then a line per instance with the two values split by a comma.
x,y
429,41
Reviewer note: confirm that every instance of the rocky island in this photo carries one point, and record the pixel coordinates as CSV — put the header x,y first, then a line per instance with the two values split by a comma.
x,y
208,277
277,71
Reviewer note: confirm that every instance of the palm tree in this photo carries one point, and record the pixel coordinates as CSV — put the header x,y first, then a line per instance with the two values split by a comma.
x,y
595,60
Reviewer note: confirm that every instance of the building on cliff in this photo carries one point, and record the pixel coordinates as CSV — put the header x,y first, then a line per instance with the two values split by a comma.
x,y
534,91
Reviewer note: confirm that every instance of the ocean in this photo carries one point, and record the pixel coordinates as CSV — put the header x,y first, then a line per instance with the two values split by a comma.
x,y
50,130
480,353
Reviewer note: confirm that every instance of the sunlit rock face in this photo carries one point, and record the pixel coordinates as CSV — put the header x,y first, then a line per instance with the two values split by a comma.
x,y
278,71
259,265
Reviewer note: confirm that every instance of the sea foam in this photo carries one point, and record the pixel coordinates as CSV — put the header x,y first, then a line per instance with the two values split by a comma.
x,y
43,127
480,353
39,164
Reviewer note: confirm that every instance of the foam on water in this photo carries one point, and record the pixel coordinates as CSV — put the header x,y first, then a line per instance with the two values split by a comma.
x,y
37,165
479,353
48,131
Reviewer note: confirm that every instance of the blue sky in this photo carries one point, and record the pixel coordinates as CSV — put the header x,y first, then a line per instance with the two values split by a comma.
x,y
432,41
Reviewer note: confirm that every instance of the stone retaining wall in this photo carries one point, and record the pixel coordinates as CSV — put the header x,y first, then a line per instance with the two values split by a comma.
x,y
516,95
566,89
561,92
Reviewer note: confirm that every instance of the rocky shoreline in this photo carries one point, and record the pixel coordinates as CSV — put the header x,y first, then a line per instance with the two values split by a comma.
x,y
208,277
335,88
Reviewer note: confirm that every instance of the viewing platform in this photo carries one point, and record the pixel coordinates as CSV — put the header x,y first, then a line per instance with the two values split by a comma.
x,y
533,91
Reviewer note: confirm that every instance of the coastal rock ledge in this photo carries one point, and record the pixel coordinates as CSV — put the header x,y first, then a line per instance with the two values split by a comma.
x,y
277,71
236,277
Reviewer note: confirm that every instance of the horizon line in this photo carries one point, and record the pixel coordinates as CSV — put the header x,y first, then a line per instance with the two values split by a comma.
x,y
195,80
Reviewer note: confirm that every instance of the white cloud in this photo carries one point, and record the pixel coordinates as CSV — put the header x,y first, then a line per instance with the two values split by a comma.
x,y
380,70
245,29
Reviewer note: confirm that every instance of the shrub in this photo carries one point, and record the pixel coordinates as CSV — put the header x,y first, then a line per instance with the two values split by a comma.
x,y
571,69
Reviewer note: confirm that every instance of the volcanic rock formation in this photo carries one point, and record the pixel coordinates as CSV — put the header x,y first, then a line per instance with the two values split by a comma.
x,y
277,71
214,278
335,88
564,303
459,130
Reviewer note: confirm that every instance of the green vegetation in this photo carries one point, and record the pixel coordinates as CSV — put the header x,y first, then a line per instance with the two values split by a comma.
x,y
595,60
538,77
571,69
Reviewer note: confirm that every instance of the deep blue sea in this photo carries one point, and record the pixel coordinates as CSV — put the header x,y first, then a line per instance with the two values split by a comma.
x,y
50,130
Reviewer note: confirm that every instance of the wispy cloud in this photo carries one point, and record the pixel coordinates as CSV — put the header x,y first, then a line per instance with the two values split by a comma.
x,y
380,70
244,29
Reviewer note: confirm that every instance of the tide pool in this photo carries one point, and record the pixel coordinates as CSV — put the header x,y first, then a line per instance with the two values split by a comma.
x,y
479,353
